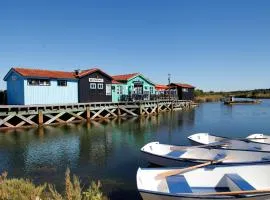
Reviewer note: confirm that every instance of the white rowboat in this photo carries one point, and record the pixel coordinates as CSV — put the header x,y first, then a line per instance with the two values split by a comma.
x,y
175,156
239,182
259,137
238,144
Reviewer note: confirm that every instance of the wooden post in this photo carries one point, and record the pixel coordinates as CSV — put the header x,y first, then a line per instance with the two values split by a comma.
x,y
157,107
118,111
40,118
172,106
88,113
140,109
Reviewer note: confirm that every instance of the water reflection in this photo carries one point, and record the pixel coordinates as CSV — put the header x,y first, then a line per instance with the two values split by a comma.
x,y
109,150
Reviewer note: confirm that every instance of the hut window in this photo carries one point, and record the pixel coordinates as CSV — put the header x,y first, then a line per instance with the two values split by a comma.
x,y
121,89
44,82
151,90
100,86
40,82
108,89
62,83
93,86
184,89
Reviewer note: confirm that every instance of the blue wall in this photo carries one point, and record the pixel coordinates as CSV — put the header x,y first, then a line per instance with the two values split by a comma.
x,y
15,90
52,94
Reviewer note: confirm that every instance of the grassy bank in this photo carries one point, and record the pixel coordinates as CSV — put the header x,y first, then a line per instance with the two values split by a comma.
x,y
208,98
22,189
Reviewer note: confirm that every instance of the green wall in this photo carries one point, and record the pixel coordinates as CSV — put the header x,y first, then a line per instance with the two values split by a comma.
x,y
128,88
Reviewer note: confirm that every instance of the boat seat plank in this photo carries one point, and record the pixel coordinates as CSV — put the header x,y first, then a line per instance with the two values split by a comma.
x,y
178,184
219,156
240,182
176,154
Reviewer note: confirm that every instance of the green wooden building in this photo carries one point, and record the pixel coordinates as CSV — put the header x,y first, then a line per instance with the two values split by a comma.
x,y
132,87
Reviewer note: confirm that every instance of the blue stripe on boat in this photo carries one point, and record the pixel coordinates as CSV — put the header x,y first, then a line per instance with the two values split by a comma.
x,y
178,184
176,154
240,182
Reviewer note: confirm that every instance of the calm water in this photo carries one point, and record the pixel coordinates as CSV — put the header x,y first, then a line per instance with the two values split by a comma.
x,y
109,150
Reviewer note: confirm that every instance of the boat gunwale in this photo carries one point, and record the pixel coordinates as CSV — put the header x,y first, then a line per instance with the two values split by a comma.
x,y
196,161
200,196
238,139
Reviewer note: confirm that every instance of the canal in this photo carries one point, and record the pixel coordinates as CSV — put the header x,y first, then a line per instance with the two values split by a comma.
x,y
110,150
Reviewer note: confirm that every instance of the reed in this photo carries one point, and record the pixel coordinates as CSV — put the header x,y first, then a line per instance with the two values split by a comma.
x,y
24,189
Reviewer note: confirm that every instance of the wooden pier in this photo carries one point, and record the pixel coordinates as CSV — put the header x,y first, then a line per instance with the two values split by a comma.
x,y
40,115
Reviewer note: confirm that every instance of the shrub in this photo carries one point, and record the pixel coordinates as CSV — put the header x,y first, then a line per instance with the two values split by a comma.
x,y
20,189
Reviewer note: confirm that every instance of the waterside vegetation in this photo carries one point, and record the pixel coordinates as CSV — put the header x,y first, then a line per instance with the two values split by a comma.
x,y
24,189
201,96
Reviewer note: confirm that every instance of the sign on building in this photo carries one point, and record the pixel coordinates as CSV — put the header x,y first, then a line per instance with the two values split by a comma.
x,y
96,80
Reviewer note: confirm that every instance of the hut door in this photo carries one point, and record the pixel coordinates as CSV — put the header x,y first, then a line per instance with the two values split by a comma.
x,y
138,88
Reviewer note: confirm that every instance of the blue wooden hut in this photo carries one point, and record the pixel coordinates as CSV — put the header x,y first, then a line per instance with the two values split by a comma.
x,y
35,86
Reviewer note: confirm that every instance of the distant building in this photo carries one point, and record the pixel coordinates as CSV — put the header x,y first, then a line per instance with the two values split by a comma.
x,y
34,86
94,86
135,87
183,91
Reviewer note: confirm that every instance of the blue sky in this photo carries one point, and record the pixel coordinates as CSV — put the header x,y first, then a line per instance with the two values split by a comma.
x,y
214,45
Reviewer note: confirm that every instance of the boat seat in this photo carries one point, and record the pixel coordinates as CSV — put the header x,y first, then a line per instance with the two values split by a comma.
x,y
176,154
219,156
239,182
178,184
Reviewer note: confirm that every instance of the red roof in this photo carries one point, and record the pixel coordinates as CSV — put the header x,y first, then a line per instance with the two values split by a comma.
x,y
124,77
161,87
44,73
55,74
115,82
183,85
90,71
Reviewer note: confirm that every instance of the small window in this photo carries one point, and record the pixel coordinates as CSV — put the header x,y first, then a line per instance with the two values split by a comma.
x,y
100,86
40,82
44,82
184,89
13,78
108,89
62,83
151,90
33,82
93,86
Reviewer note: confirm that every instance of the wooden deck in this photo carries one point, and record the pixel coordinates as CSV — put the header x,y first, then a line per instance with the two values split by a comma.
x,y
40,115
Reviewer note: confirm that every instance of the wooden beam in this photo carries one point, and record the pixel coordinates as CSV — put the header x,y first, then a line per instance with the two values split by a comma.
x,y
53,118
5,121
77,116
28,120
128,111
57,119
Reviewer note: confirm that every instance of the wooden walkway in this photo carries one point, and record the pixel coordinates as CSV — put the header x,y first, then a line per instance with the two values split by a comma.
x,y
39,115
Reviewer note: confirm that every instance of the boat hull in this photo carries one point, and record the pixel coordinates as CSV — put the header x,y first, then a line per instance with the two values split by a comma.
x,y
159,196
165,161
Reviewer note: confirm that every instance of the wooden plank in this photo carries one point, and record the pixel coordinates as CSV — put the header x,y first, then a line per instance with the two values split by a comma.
x,y
54,118
26,120
5,121
128,111
111,112
97,114
77,115
57,119
73,118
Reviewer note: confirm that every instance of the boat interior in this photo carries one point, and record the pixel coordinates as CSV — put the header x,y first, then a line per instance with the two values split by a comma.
x,y
219,179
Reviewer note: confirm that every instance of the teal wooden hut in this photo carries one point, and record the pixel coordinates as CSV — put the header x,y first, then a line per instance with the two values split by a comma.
x,y
132,87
